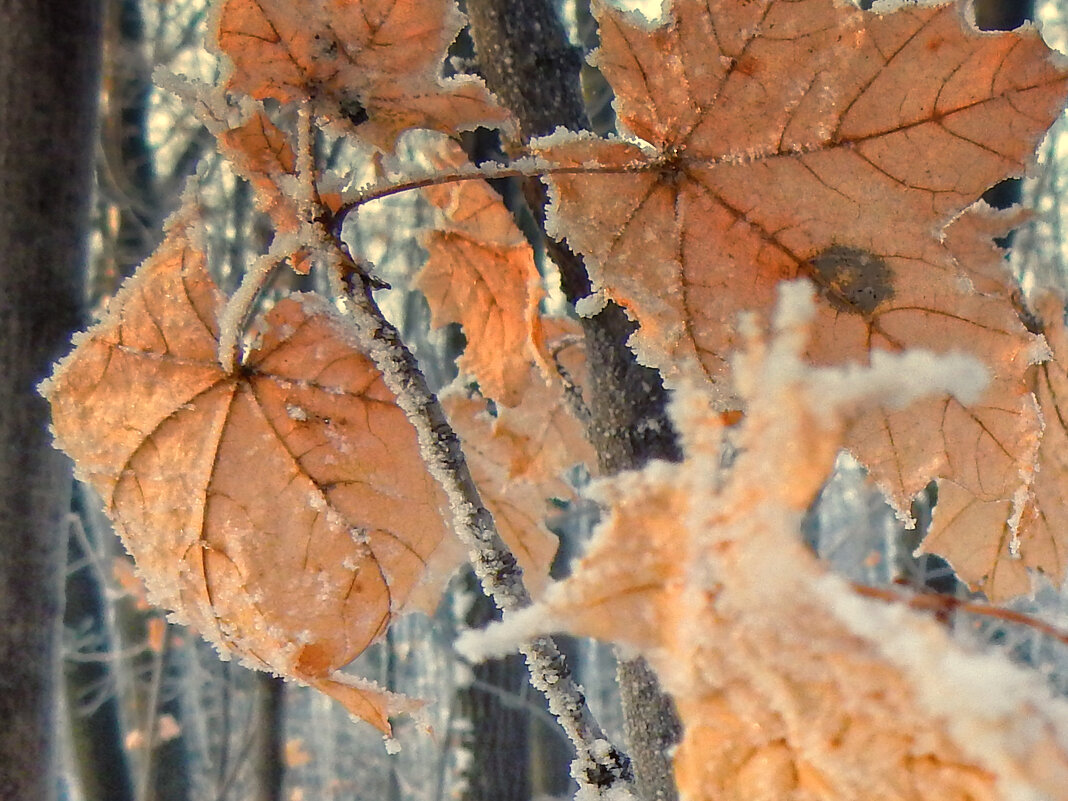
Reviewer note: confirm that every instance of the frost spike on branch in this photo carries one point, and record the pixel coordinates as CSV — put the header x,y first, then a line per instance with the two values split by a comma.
x,y
499,574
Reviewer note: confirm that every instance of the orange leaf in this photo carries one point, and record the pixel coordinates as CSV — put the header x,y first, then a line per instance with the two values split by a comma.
x,y
294,753
157,629
814,139
282,509
260,152
371,65
987,448
122,570
780,137
994,543
518,457
1041,534
481,273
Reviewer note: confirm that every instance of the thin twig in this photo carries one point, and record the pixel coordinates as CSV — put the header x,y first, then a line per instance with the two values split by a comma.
x,y
238,310
92,558
145,790
494,564
942,605
572,391
522,168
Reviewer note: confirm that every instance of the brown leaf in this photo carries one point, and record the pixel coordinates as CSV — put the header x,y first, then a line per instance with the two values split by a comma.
x,y
988,447
813,139
282,509
1041,536
294,753
372,66
260,152
481,273
782,134
517,460
996,544
976,537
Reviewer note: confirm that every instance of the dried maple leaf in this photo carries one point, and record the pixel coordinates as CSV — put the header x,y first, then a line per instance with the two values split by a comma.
x,y
481,273
1040,538
259,151
372,66
517,459
789,685
987,448
819,140
786,139
281,509
996,543
517,506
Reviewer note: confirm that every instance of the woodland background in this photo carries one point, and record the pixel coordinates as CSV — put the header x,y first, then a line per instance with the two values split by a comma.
x,y
146,710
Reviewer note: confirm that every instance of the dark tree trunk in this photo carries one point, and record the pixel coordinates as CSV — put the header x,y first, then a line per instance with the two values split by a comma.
x,y
49,69
267,753
101,763
498,741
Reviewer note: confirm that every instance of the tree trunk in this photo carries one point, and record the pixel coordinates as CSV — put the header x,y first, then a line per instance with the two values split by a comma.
x,y
529,64
49,68
499,735
267,753
101,765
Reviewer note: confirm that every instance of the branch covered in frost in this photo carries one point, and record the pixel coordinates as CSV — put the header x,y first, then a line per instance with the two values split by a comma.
x,y
528,167
597,765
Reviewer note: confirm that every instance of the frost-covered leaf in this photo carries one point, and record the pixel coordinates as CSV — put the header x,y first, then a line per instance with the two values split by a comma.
x,y
1041,539
260,152
518,506
996,543
789,684
481,273
282,509
813,139
372,66
518,459
987,447
794,139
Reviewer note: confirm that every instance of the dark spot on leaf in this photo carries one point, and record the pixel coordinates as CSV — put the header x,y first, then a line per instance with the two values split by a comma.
x,y
352,110
853,280
327,48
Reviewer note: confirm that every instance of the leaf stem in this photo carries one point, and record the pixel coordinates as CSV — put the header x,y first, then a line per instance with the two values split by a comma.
x,y
501,578
521,168
238,309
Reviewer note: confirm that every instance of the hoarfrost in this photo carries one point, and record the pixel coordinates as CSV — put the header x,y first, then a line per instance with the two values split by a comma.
x,y
617,792
591,305
842,389
296,413
982,697
959,374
